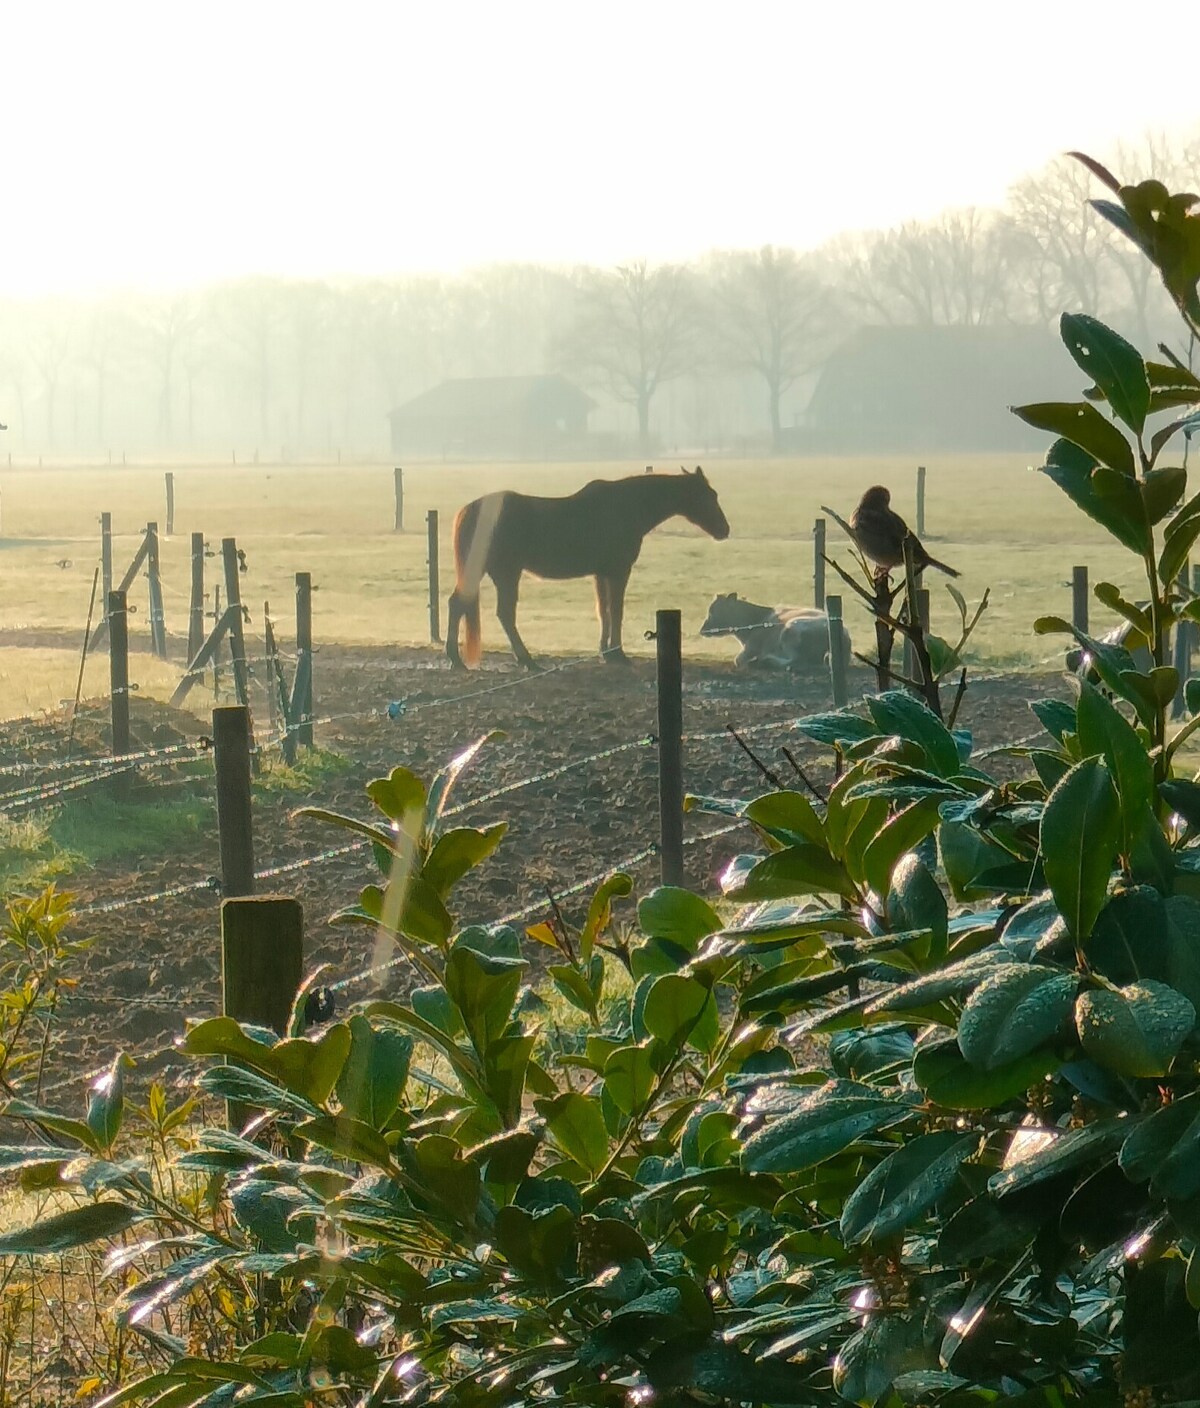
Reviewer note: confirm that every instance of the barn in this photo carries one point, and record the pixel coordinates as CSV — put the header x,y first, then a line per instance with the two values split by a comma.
x,y
936,388
538,416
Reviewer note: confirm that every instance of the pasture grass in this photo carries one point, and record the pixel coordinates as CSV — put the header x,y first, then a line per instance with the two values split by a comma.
x,y
1004,526
94,829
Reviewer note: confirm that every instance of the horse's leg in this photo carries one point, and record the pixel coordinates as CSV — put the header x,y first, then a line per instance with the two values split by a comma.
x,y
604,611
616,610
453,617
506,610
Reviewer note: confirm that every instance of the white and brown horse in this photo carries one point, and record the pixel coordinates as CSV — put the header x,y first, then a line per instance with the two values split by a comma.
x,y
596,532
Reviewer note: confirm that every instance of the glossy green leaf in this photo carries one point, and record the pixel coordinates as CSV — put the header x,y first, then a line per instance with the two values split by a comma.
x,y
629,1077
895,840
309,1068
66,1230
822,1124
348,1138
1071,469
484,988
874,1357
681,1009
946,1078
788,815
1081,829
901,1189
1013,1012
795,871
1135,1031
457,852
1164,1148
577,1126
677,915
1114,365
1084,426
898,712
372,1080
1104,731
915,901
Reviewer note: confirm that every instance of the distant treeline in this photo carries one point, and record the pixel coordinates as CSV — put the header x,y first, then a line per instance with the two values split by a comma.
x,y
723,353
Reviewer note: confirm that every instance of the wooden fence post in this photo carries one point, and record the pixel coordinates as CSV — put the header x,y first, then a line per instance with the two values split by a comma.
x,y
233,605
398,475
920,501
435,599
1079,598
196,631
158,625
262,959
170,481
231,755
819,563
668,648
116,605
278,691
106,578
837,652
302,700
216,660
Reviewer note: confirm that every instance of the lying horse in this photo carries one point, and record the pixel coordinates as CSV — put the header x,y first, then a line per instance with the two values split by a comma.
x,y
780,637
596,532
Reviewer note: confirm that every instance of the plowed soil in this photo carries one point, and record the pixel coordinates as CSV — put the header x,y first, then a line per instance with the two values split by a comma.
x,y
156,962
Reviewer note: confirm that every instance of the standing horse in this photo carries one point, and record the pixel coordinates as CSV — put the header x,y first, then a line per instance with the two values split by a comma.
x,y
596,532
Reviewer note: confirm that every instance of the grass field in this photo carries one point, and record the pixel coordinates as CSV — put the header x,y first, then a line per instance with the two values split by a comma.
x,y
1005,527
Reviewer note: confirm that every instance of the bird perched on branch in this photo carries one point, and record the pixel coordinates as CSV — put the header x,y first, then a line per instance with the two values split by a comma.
x,y
880,532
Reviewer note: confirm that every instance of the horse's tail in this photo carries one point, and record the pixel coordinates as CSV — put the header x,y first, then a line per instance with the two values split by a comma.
x,y
468,572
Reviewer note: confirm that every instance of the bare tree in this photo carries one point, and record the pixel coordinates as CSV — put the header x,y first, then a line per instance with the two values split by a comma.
x,y
162,330
954,270
635,329
250,314
49,345
774,315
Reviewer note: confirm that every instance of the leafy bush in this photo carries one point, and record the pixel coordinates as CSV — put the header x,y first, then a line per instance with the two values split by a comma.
x,y
912,1117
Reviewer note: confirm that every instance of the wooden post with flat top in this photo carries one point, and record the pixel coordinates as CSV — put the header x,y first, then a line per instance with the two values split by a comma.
x,y
1079,598
435,602
669,652
837,652
302,685
819,564
231,755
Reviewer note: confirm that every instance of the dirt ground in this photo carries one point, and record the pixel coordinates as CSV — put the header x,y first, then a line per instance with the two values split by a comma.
x,y
156,963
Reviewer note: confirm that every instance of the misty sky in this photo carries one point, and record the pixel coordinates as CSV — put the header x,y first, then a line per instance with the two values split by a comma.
x,y
167,144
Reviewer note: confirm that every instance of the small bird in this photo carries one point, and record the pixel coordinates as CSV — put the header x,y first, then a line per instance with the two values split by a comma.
x,y
880,532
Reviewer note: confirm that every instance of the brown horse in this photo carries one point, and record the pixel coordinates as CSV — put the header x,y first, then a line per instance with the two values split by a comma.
x,y
596,532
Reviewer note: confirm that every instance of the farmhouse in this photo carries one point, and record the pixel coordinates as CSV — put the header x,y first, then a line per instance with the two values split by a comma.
x,y
935,388
543,416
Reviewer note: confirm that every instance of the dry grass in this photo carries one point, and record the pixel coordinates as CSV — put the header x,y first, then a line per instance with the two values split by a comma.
x,y
1004,526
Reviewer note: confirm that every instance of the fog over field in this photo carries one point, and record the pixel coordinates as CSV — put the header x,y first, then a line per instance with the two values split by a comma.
x,y
263,233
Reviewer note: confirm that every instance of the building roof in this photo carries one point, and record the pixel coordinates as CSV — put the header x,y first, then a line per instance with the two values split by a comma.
x,y
485,397
950,386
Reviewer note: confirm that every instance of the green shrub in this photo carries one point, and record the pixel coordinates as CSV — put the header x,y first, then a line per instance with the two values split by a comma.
x,y
986,1188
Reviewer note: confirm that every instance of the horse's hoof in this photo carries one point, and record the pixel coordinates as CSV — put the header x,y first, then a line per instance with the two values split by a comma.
x,y
615,657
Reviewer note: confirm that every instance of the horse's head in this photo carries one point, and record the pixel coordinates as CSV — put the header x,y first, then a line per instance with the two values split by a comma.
x,y
700,505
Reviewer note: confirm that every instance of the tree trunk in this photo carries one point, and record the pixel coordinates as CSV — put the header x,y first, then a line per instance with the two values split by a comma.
x,y
776,426
643,415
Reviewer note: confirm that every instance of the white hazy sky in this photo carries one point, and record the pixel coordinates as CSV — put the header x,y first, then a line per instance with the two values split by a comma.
x,y
172,143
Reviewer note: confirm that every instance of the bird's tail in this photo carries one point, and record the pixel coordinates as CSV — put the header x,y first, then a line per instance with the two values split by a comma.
x,y
941,567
